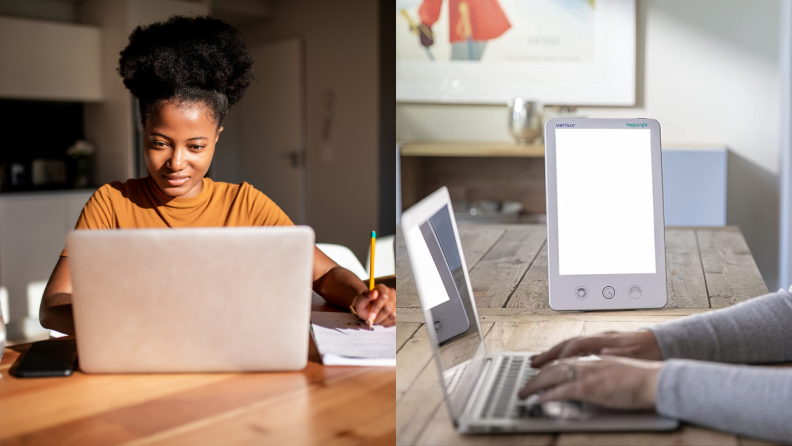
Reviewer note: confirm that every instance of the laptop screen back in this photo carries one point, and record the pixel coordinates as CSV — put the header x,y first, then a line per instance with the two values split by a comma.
x,y
439,273
239,301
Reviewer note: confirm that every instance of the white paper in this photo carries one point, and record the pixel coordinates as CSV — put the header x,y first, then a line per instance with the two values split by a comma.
x,y
366,362
343,339
431,290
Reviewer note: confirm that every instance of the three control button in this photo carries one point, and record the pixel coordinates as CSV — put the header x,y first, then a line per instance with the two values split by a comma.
x,y
608,292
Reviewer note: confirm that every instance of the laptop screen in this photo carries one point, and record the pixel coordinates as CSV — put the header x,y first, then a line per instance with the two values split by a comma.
x,y
439,267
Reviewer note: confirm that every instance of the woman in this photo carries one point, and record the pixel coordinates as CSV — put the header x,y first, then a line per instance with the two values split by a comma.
x,y
186,72
672,368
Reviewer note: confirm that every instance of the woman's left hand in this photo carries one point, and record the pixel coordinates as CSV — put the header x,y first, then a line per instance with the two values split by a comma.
x,y
383,306
615,382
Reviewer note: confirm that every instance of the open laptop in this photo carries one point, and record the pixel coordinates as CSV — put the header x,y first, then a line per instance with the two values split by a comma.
x,y
481,387
192,300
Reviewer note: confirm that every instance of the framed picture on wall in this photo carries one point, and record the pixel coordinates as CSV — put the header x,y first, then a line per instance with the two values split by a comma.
x,y
561,52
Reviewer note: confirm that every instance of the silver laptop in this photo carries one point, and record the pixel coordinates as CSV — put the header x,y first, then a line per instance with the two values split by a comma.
x,y
192,300
481,387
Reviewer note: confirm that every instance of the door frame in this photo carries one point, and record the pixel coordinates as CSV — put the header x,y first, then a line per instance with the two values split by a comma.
x,y
785,147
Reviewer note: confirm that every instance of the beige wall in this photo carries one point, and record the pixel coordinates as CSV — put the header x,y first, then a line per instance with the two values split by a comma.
x,y
708,71
341,40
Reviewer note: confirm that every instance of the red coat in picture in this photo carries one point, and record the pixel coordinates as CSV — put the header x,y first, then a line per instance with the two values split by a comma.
x,y
469,20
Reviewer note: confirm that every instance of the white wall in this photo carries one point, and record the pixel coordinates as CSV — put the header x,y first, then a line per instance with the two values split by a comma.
x,y
341,40
708,70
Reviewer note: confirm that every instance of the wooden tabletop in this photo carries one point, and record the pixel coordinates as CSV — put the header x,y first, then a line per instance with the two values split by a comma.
x,y
319,405
707,268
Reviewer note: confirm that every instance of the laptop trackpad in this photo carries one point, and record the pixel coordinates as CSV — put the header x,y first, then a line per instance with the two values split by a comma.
x,y
555,410
566,410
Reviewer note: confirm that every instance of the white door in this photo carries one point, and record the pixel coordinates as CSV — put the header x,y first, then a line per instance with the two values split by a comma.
x,y
272,146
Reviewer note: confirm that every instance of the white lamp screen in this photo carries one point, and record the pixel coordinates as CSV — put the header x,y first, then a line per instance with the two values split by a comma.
x,y
605,201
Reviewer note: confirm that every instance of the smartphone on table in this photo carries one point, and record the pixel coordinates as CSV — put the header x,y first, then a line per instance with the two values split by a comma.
x,y
48,358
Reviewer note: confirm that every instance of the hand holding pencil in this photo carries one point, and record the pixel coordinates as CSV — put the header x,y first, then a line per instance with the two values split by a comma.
x,y
378,304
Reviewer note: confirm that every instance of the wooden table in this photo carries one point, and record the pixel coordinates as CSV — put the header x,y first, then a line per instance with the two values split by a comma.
x,y
707,268
320,405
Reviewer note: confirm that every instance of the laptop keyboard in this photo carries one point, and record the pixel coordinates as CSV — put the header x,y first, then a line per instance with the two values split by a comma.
x,y
502,402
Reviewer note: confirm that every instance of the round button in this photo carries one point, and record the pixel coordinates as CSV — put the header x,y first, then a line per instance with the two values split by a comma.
x,y
608,292
581,292
438,325
635,291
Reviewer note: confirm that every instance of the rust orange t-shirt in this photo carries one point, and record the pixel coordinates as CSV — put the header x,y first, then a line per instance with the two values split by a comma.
x,y
139,203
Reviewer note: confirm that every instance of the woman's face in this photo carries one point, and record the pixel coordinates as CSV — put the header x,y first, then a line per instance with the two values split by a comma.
x,y
179,145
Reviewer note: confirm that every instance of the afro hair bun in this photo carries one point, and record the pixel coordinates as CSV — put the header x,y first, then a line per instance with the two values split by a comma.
x,y
184,53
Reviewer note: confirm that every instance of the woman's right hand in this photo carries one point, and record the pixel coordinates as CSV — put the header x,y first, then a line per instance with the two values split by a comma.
x,y
632,344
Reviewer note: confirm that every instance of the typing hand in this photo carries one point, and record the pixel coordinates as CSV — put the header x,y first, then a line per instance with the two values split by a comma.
x,y
383,306
617,383
634,344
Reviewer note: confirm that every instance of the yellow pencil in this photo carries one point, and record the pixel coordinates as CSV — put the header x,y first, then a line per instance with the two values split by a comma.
x,y
371,273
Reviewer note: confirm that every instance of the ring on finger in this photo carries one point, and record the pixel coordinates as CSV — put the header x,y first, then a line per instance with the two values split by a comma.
x,y
571,373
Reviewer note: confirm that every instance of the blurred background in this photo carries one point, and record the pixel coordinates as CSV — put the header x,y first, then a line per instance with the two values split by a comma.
x,y
476,78
315,132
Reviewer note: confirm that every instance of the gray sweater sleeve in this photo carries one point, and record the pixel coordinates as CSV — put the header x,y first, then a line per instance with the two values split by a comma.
x,y
752,401
746,400
755,331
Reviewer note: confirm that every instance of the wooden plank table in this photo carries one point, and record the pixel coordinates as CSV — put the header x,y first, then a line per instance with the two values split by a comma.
x,y
320,405
706,267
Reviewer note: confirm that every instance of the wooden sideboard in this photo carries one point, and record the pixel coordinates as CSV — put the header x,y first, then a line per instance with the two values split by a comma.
x,y
474,171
